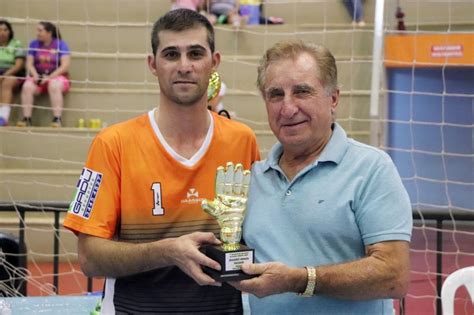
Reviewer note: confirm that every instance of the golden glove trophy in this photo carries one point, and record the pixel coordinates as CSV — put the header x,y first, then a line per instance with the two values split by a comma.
x,y
228,208
214,86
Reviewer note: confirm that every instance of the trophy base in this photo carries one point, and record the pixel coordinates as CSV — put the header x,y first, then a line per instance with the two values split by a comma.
x,y
230,262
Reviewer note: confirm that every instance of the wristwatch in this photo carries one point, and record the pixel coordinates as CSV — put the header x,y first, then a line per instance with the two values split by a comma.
x,y
309,291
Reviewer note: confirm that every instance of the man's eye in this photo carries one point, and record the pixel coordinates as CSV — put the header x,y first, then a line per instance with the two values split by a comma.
x,y
171,55
196,54
275,96
302,91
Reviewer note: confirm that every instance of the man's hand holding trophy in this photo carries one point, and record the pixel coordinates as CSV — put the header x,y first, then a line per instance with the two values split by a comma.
x,y
228,208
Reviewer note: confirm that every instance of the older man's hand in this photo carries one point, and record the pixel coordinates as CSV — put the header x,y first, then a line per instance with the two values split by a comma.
x,y
274,278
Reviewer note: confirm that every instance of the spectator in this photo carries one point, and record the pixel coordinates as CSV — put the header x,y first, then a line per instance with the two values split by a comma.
x,y
215,93
270,20
256,10
195,5
217,105
321,200
47,64
142,224
226,12
355,8
12,61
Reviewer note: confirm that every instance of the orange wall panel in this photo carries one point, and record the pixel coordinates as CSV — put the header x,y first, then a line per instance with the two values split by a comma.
x,y
429,50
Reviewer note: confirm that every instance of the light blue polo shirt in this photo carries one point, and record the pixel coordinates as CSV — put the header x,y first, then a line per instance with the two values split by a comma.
x,y
349,197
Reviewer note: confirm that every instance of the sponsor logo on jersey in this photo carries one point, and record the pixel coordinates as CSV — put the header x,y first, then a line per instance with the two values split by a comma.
x,y
86,193
192,193
192,196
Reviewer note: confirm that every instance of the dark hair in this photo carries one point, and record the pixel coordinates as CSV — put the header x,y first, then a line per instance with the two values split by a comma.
x,y
51,28
10,28
180,20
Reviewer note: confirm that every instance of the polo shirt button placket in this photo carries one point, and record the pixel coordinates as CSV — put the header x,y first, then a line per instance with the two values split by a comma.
x,y
288,192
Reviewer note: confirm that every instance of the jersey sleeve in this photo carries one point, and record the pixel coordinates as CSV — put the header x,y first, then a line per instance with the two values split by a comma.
x,y
33,46
19,51
383,209
255,150
63,49
95,208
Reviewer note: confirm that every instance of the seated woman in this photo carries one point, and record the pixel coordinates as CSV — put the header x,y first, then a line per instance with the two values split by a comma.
x,y
12,61
47,64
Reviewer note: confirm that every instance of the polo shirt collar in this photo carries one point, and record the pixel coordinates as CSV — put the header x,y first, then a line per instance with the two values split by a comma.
x,y
333,152
336,147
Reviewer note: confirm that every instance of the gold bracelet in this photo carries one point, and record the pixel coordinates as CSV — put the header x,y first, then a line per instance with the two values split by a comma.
x,y
311,285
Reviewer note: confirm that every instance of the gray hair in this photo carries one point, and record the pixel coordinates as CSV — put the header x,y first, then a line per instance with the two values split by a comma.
x,y
326,63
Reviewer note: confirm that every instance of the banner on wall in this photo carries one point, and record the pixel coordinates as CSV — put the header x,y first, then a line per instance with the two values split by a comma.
x,y
429,50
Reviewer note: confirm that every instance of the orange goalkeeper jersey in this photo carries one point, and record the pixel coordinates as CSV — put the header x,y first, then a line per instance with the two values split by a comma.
x,y
135,188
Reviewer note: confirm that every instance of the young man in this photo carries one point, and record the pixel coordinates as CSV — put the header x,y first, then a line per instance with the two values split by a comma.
x,y
137,210
327,202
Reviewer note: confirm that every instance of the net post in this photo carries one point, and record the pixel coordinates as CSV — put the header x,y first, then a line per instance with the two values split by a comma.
x,y
56,252
376,73
439,263
22,261
89,284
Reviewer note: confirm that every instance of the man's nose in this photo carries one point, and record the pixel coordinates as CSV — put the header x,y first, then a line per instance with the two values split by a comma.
x,y
289,107
185,65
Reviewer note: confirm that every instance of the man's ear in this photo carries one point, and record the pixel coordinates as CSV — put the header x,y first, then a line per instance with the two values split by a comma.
x,y
152,64
216,60
335,99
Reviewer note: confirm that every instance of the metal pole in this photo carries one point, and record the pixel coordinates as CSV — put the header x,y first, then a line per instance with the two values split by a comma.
x,y
439,263
56,252
89,284
23,259
376,72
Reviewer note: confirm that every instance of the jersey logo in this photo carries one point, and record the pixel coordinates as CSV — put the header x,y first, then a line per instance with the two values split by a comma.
x,y
157,200
86,193
192,193
192,197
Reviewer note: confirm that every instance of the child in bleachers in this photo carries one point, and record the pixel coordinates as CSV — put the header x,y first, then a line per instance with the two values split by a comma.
x,y
12,60
47,64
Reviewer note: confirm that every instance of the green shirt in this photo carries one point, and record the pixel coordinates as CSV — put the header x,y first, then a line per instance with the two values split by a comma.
x,y
9,53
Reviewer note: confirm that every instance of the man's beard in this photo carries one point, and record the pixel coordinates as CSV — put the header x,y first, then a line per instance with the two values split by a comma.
x,y
187,100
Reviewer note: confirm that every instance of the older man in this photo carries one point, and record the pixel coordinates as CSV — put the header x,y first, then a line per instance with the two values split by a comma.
x,y
328,216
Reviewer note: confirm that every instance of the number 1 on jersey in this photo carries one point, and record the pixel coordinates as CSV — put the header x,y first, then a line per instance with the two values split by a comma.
x,y
157,201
